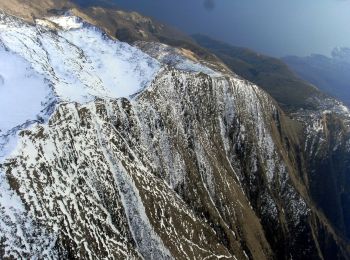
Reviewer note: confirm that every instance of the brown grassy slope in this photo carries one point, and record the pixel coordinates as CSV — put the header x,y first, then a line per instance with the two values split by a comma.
x,y
28,9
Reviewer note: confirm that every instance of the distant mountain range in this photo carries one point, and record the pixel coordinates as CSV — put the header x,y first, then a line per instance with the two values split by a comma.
x,y
329,74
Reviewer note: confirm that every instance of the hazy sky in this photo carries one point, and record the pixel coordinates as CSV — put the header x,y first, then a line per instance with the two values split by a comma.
x,y
275,27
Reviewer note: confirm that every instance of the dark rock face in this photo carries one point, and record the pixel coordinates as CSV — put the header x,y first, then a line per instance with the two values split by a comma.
x,y
328,158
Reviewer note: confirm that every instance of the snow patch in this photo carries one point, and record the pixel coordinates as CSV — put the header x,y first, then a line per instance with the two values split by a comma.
x,y
81,61
67,22
23,91
24,98
123,69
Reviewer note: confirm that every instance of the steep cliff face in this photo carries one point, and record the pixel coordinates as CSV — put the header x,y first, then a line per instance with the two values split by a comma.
x,y
129,156
327,139
269,73
323,141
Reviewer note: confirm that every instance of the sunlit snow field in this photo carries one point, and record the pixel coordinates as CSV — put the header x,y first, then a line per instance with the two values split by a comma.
x,y
77,64
23,91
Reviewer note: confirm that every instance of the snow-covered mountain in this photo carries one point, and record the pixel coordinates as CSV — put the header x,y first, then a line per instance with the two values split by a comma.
x,y
113,151
75,63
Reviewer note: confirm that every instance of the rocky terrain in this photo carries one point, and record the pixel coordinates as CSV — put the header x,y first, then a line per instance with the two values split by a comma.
x,y
155,152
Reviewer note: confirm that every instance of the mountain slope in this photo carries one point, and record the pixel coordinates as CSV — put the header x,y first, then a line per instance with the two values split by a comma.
x,y
52,200
29,10
188,162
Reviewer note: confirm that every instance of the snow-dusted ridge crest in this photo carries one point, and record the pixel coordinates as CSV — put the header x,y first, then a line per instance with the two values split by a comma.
x,y
62,59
